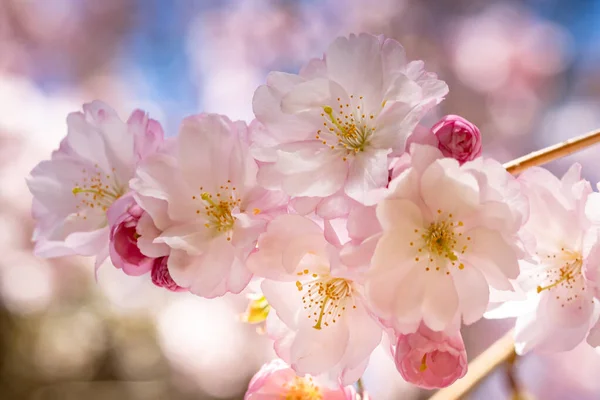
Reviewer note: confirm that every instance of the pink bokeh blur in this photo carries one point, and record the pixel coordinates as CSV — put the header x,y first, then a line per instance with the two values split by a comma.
x,y
525,72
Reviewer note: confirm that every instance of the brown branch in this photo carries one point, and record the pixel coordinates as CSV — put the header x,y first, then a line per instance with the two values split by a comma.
x,y
497,354
552,153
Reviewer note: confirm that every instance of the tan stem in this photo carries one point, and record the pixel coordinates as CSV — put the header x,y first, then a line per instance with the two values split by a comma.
x,y
552,153
479,368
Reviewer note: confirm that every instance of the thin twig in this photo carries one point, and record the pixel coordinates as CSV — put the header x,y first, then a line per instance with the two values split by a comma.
x,y
479,368
511,376
552,153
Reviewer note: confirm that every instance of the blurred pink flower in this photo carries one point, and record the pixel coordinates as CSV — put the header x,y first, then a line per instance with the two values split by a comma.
x,y
333,126
318,318
558,308
458,138
276,380
438,254
85,176
161,276
215,208
431,359
123,217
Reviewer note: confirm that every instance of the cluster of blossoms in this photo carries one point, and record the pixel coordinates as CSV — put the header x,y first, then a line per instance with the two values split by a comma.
x,y
351,220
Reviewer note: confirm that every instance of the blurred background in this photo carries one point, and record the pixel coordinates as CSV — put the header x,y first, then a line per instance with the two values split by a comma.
x,y
526,72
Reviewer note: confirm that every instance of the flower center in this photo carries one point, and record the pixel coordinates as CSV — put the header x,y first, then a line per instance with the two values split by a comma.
x,y
325,298
97,191
217,209
441,242
346,127
302,389
566,276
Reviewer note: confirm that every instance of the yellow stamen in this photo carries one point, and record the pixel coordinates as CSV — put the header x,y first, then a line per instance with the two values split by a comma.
x,y
302,389
325,298
423,366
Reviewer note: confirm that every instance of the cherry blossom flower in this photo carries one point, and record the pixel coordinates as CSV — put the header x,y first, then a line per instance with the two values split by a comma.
x,y
431,359
318,319
276,380
558,285
333,126
449,232
458,138
75,188
215,209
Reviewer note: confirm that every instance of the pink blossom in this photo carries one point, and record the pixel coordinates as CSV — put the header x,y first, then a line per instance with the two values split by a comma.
x,y
332,127
214,208
276,380
319,318
148,133
557,310
431,359
123,217
458,138
437,255
75,188
161,276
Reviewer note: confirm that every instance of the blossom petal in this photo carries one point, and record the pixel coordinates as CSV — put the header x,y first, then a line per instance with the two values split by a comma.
x,y
440,303
281,247
399,214
493,257
355,64
315,351
190,237
284,298
473,293
461,192
306,96
368,171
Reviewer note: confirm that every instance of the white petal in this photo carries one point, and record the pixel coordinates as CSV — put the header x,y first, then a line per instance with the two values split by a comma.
x,y
440,304
489,253
368,171
473,293
400,214
315,351
283,246
193,238
306,96
285,299
404,90
460,189
355,63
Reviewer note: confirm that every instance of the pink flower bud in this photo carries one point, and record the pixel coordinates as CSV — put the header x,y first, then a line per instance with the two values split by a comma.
x,y
458,138
431,359
161,276
123,217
